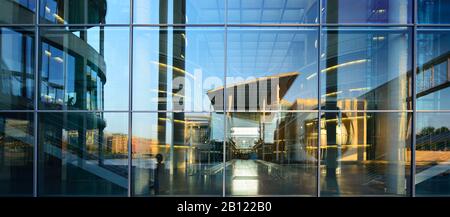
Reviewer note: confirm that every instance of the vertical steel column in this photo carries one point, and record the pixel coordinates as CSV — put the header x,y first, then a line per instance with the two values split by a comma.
x,y
413,103
224,99
319,105
36,95
130,102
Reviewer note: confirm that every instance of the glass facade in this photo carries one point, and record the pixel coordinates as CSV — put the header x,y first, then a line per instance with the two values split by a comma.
x,y
149,98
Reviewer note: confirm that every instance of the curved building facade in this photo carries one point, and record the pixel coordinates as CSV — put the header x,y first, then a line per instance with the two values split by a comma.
x,y
224,98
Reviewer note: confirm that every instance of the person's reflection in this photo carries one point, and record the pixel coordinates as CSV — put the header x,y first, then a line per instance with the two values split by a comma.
x,y
159,168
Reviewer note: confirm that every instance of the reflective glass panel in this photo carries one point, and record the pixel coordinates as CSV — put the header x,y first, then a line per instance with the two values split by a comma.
x,y
178,69
84,11
273,11
17,11
432,154
16,154
365,153
177,153
17,68
433,11
433,72
179,11
367,11
271,69
84,68
271,153
83,153
366,68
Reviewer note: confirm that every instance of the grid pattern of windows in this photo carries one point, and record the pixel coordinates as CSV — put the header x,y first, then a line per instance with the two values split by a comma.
x,y
224,97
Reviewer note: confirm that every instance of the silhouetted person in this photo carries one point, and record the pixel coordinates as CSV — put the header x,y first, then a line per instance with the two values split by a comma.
x,y
159,159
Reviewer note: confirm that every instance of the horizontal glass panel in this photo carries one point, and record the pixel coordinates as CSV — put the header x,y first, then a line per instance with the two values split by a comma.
x,y
17,68
433,72
178,69
433,11
271,69
84,12
366,69
365,153
432,154
271,153
84,68
273,11
16,154
177,153
83,154
179,12
367,11
17,11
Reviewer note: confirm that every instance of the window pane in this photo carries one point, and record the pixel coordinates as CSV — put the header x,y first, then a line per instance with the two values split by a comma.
x,y
367,11
272,11
17,68
432,154
271,153
433,11
84,12
83,153
177,69
433,72
16,154
179,12
17,11
366,68
177,153
271,69
84,69
365,153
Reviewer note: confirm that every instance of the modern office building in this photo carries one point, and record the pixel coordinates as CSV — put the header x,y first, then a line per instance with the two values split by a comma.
x,y
224,98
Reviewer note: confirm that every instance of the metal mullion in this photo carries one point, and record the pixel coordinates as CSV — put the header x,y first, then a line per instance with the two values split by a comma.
x,y
224,100
36,95
413,103
130,99
319,105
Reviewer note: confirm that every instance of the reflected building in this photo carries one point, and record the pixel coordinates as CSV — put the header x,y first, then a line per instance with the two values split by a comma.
x,y
265,106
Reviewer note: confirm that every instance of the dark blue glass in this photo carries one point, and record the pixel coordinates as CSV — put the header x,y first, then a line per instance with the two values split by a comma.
x,y
433,11
367,11
17,68
17,11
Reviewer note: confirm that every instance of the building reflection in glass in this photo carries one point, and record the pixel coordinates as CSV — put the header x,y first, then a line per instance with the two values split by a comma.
x,y
432,154
365,153
83,68
84,12
270,69
270,153
16,154
366,69
174,68
433,74
178,154
17,68
83,153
